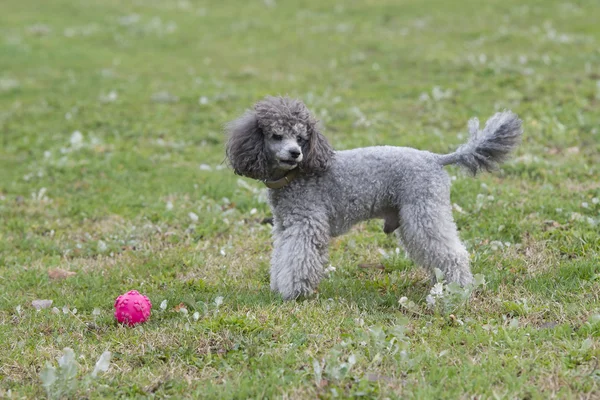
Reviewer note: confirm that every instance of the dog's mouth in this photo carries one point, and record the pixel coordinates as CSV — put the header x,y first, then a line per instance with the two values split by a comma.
x,y
288,162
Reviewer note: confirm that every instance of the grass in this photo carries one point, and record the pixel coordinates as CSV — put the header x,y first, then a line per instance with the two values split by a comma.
x,y
149,85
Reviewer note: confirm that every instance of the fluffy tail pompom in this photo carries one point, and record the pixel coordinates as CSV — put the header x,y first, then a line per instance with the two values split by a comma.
x,y
487,148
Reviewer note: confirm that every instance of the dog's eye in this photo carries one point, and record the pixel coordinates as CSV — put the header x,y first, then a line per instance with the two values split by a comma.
x,y
278,138
301,140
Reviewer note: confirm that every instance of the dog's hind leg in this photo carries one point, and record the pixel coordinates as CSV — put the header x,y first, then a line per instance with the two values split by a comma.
x,y
299,255
429,234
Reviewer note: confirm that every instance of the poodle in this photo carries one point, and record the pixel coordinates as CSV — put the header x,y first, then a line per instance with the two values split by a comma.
x,y
317,193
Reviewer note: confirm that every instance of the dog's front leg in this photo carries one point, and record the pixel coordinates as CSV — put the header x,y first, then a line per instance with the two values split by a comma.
x,y
299,254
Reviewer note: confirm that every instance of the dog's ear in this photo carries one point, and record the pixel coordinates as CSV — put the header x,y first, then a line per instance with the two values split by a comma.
x,y
246,147
317,150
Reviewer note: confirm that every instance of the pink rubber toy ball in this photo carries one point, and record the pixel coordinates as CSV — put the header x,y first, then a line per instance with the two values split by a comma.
x,y
132,308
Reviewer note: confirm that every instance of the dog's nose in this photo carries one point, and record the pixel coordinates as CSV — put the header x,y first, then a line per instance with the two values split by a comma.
x,y
295,154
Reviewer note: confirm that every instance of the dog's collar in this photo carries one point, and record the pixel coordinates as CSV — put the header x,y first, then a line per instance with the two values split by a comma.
x,y
286,180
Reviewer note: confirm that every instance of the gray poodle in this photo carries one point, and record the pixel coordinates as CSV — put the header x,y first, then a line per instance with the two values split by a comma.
x,y
317,193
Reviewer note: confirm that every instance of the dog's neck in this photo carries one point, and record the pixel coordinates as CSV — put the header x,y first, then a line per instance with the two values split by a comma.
x,y
281,180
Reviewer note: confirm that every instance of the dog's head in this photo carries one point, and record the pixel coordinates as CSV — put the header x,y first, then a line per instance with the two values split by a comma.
x,y
278,135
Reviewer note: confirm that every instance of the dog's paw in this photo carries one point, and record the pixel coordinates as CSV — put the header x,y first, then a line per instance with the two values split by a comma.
x,y
298,292
463,279
274,287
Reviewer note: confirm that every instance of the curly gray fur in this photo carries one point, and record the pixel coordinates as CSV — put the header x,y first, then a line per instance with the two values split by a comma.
x,y
405,187
245,148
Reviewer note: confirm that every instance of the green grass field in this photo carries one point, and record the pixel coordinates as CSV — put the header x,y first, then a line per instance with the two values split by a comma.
x,y
112,168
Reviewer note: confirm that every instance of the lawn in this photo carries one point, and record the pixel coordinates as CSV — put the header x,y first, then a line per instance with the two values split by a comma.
x,y
112,178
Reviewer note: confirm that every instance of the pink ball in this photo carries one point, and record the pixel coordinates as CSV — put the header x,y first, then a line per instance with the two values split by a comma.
x,y
132,308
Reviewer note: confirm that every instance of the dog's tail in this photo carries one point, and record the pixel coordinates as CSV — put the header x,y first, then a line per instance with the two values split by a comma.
x,y
489,147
